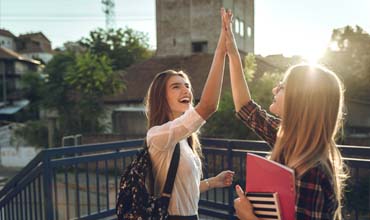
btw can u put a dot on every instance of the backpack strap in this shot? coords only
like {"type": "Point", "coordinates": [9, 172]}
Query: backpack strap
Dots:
{"type": "Point", "coordinates": [172, 170]}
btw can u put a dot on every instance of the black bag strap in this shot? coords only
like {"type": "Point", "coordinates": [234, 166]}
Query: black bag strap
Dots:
{"type": "Point", "coordinates": [172, 170]}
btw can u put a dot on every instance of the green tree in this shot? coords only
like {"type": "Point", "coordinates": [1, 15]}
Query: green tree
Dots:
{"type": "Point", "coordinates": [123, 47]}
{"type": "Point", "coordinates": [91, 78]}
{"type": "Point", "coordinates": [224, 124]}
{"type": "Point", "coordinates": [33, 88]}
{"type": "Point", "coordinates": [349, 56]}
{"type": "Point", "coordinates": [76, 84]}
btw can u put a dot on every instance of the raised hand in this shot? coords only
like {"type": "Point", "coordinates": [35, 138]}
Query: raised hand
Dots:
{"type": "Point", "coordinates": [227, 27]}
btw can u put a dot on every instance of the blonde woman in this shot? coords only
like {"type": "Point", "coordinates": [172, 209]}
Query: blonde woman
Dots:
{"type": "Point", "coordinates": [172, 119]}
{"type": "Point", "coordinates": [308, 103]}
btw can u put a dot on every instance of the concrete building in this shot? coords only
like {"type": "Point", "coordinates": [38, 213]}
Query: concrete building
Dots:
{"type": "Point", "coordinates": [12, 67]}
{"type": "Point", "coordinates": [7, 39]}
{"type": "Point", "coordinates": [35, 46]}
{"type": "Point", "coordinates": [185, 27]}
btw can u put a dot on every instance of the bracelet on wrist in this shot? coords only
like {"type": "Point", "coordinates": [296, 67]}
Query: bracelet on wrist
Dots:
{"type": "Point", "coordinates": [207, 183]}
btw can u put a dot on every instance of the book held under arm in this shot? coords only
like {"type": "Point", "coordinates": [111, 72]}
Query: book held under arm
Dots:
{"type": "Point", "coordinates": [270, 187]}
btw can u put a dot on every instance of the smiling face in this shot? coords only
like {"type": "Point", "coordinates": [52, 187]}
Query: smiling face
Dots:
{"type": "Point", "coordinates": [179, 95]}
{"type": "Point", "coordinates": [277, 105]}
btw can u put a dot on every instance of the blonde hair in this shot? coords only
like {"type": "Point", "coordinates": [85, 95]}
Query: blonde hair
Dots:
{"type": "Point", "coordinates": [312, 115]}
{"type": "Point", "coordinates": [158, 109]}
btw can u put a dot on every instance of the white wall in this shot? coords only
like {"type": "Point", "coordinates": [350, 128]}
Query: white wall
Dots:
{"type": "Point", "coordinates": [17, 156]}
{"type": "Point", "coordinates": [7, 42]}
{"type": "Point", "coordinates": [13, 151]}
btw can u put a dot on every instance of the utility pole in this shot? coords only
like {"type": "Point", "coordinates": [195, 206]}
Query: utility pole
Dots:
{"type": "Point", "coordinates": [108, 9]}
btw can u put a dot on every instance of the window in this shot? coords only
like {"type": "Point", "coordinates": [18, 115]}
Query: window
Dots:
{"type": "Point", "coordinates": [237, 25]}
{"type": "Point", "coordinates": [200, 47]}
{"type": "Point", "coordinates": [249, 32]}
{"type": "Point", "coordinates": [241, 28]}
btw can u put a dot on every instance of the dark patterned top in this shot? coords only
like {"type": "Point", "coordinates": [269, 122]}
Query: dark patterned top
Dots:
{"type": "Point", "coordinates": [315, 197]}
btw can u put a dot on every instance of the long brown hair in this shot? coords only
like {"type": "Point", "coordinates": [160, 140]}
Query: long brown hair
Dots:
{"type": "Point", "coordinates": [158, 109]}
{"type": "Point", "coordinates": [312, 115]}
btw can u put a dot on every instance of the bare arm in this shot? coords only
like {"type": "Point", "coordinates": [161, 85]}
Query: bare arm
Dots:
{"type": "Point", "coordinates": [223, 179]}
{"type": "Point", "coordinates": [239, 87]}
{"type": "Point", "coordinates": [209, 100]}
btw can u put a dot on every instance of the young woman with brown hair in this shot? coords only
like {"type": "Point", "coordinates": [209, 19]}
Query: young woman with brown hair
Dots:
{"type": "Point", "coordinates": [172, 119]}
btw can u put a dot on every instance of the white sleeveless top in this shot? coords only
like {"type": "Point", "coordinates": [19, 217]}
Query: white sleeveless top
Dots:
{"type": "Point", "coordinates": [162, 141]}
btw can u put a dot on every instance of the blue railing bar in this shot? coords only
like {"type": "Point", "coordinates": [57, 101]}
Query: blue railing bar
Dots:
{"type": "Point", "coordinates": [67, 193]}
{"type": "Point", "coordinates": [17, 206]}
{"type": "Point", "coordinates": [357, 163]}
{"type": "Point", "coordinates": [214, 173]}
{"type": "Point", "coordinates": [240, 153]}
{"type": "Point", "coordinates": [262, 146]}
{"type": "Point", "coordinates": [355, 150]}
{"type": "Point", "coordinates": [12, 204]}
{"type": "Point", "coordinates": [230, 167]}
{"type": "Point", "coordinates": [214, 142]}
{"type": "Point", "coordinates": [35, 197]}
{"type": "Point", "coordinates": [55, 194]}
{"type": "Point", "coordinates": [40, 198]}
{"type": "Point", "coordinates": [236, 143]}
{"type": "Point", "coordinates": [14, 191]}
{"type": "Point", "coordinates": [77, 191]}
{"type": "Point", "coordinates": [97, 186]}
{"type": "Point", "coordinates": [94, 147]}
{"type": "Point", "coordinates": [206, 173]}
{"type": "Point", "coordinates": [105, 214]}
{"type": "Point", "coordinates": [25, 202]}
{"type": "Point", "coordinates": [213, 205]}
{"type": "Point", "coordinates": [47, 186]}
{"type": "Point", "coordinates": [116, 179]}
{"type": "Point", "coordinates": [22, 174]}
{"type": "Point", "coordinates": [223, 168]}
{"type": "Point", "coordinates": [107, 184]}
{"type": "Point", "coordinates": [30, 200]}
{"type": "Point", "coordinates": [90, 158]}
{"type": "Point", "coordinates": [212, 213]}
{"type": "Point", "coordinates": [214, 150]}
{"type": "Point", "coordinates": [88, 189]}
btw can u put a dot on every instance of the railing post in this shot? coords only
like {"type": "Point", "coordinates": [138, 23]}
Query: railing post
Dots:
{"type": "Point", "coordinates": [231, 189]}
{"type": "Point", "coordinates": [47, 185]}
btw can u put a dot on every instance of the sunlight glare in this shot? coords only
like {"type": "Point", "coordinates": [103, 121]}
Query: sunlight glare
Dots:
{"type": "Point", "coordinates": [313, 52]}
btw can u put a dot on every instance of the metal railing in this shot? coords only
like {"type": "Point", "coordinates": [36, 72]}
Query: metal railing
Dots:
{"type": "Point", "coordinates": [82, 182]}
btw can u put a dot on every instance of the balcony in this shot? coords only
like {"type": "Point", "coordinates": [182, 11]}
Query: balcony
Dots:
{"type": "Point", "coordinates": [82, 182]}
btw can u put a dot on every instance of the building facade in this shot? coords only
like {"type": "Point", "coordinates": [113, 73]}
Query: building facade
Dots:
{"type": "Point", "coordinates": [7, 40]}
{"type": "Point", "coordinates": [185, 27]}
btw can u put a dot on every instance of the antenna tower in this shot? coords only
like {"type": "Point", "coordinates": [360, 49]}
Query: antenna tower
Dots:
{"type": "Point", "coordinates": [108, 9]}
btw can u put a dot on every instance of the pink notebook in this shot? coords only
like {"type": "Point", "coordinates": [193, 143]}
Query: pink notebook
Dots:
{"type": "Point", "coordinates": [275, 182]}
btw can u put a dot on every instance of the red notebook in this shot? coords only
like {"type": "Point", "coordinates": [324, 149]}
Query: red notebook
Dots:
{"type": "Point", "coordinates": [268, 177]}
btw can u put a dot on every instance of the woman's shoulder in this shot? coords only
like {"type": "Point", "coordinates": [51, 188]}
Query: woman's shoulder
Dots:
{"type": "Point", "coordinates": [318, 176]}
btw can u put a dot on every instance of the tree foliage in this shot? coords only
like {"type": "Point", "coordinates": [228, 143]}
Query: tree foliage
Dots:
{"type": "Point", "coordinates": [79, 76]}
{"type": "Point", "coordinates": [224, 123]}
{"type": "Point", "coordinates": [32, 84]}
{"type": "Point", "coordinates": [123, 47]}
{"type": "Point", "coordinates": [349, 57]}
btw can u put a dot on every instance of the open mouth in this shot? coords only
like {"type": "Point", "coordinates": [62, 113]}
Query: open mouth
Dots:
{"type": "Point", "coordinates": [185, 100]}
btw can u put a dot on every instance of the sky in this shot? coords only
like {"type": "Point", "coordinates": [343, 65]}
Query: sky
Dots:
{"type": "Point", "coordinates": [288, 27]}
